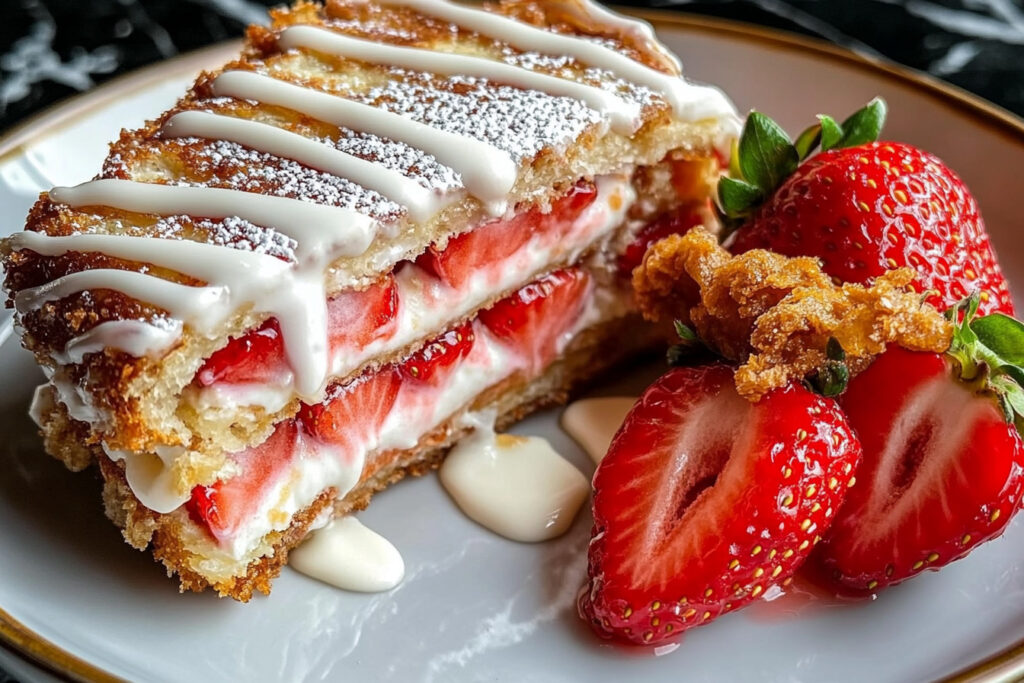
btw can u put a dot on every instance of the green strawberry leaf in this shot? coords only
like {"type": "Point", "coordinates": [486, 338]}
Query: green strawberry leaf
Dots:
{"type": "Point", "coordinates": [864, 125]}
{"type": "Point", "coordinates": [1002, 335]}
{"type": "Point", "coordinates": [767, 155]}
{"type": "Point", "coordinates": [831, 133]}
{"type": "Point", "coordinates": [807, 141]}
{"type": "Point", "coordinates": [684, 332]}
{"type": "Point", "coordinates": [1014, 372]}
{"type": "Point", "coordinates": [990, 354]}
{"type": "Point", "coordinates": [737, 197]}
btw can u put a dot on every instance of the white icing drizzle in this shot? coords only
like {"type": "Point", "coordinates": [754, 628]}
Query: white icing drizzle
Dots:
{"type": "Point", "coordinates": [516, 486]}
{"type": "Point", "coordinates": [321, 231]}
{"type": "Point", "coordinates": [639, 30]}
{"type": "Point", "coordinates": [347, 555]}
{"type": "Point", "coordinates": [152, 477]}
{"type": "Point", "coordinates": [135, 337]}
{"type": "Point", "coordinates": [688, 101]}
{"type": "Point", "coordinates": [623, 114]}
{"type": "Point", "coordinates": [181, 301]}
{"type": "Point", "coordinates": [487, 172]}
{"type": "Point", "coordinates": [295, 296]}
{"type": "Point", "coordinates": [421, 202]}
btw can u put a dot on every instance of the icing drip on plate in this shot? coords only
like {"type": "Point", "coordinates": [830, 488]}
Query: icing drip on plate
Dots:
{"type": "Point", "coordinates": [592, 422]}
{"type": "Point", "coordinates": [516, 486]}
{"type": "Point", "coordinates": [347, 555]}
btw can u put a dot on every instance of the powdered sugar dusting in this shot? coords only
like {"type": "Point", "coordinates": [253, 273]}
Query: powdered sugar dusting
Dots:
{"type": "Point", "coordinates": [518, 122]}
{"type": "Point", "coordinates": [233, 232]}
{"type": "Point", "coordinates": [399, 156]}
{"type": "Point", "coordinates": [230, 165]}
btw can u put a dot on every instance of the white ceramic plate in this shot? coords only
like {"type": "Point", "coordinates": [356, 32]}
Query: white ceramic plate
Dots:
{"type": "Point", "coordinates": [474, 606]}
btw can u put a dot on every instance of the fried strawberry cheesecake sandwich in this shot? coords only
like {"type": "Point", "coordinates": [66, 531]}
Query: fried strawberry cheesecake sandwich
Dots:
{"type": "Point", "coordinates": [297, 285]}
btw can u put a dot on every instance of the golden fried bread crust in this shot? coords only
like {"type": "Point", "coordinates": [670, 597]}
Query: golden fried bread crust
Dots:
{"type": "Point", "coordinates": [775, 314]}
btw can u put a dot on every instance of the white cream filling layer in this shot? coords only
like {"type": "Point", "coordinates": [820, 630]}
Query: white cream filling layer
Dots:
{"type": "Point", "coordinates": [426, 304]}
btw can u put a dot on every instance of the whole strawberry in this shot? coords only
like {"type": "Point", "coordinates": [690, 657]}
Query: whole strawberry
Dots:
{"type": "Point", "coordinates": [861, 207]}
{"type": "Point", "coordinates": [943, 467]}
{"type": "Point", "coordinates": [705, 501]}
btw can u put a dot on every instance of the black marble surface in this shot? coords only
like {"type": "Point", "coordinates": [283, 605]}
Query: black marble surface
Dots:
{"type": "Point", "coordinates": [52, 49]}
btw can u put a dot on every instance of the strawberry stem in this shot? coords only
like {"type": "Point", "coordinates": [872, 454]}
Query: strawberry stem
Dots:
{"type": "Point", "coordinates": [832, 377]}
{"type": "Point", "coordinates": [764, 156]}
{"type": "Point", "coordinates": [988, 354]}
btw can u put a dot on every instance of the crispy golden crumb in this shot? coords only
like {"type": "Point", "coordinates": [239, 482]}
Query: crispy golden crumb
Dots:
{"type": "Point", "coordinates": [775, 314]}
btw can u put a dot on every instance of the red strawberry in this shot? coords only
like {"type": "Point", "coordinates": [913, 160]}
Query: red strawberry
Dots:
{"type": "Point", "coordinates": [352, 412]}
{"type": "Point", "coordinates": [225, 506]}
{"type": "Point", "coordinates": [943, 463]}
{"type": "Point", "coordinates": [256, 357]}
{"type": "Point", "coordinates": [354, 318]}
{"type": "Point", "coordinates": [669, 224]}
{"type": "Point", "coordinates": [466, 253]}
{"type": "Point", "coordinates": [434, 361]}
{"type": "Point", "coordinates": [533, 318]}
{"type": "Point", "coordinates": [705, 501]}
{"type": "Point", "coordinates": [863, 208]}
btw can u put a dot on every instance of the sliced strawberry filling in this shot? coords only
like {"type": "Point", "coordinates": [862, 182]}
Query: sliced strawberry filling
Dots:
{"type": "Point", "coordinates": [491, 242]}
{"type": "Point", "coordinates": [354, 318]}
{"type": "Point", "coordinates": [358, 318]}
{"type": "Point", "coordinates": [529, 326]}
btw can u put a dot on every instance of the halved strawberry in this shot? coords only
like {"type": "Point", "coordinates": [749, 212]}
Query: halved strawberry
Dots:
{"type": "Point", "coordinates": [354, 318]}
{"type": "Point", "coordinates": [533, 318]}
{"type": "Point", "coordinates": [225, 506]}
{"type": "Point", "coordinates": [434, 361]}
{"type": "Point", "coordinates": [677, 223]}
{"type": "Point", "coordinates": [705, 501]}
{"type": "Point", "coordinates": [488, 243]}
{"type": "Point", "coordinates": [354, 411]}
{"type": "Point", "coordinates": [943, 463]}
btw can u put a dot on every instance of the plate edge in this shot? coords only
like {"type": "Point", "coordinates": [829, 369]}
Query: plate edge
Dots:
{"type": "Point", "coordinates": [1006, 665]}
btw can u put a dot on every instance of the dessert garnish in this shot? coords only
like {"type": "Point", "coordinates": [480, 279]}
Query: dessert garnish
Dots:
{"type": "Point", "coordinates": [775, 315]}
{"type": "Point", "coordinates": [705, 500]}
{"type": "Point", "coordinates": [861, 207]}
{"type": "Point", "coordinates": [943, 467]}
{"type": "Point", "coordinates": [886, 431]}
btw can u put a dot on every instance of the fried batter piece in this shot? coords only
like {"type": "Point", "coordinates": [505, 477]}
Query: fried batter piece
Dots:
{"type": "Point", "coordinates": [775, 314]}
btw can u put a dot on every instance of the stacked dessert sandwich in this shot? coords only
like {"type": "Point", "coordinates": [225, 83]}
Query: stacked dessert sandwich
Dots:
{"type": "Point", "coordinates": [292, 288]}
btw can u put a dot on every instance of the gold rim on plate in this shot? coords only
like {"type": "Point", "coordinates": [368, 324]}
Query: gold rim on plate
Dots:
{"type": "Point", "coordinates": [1003, 667]}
